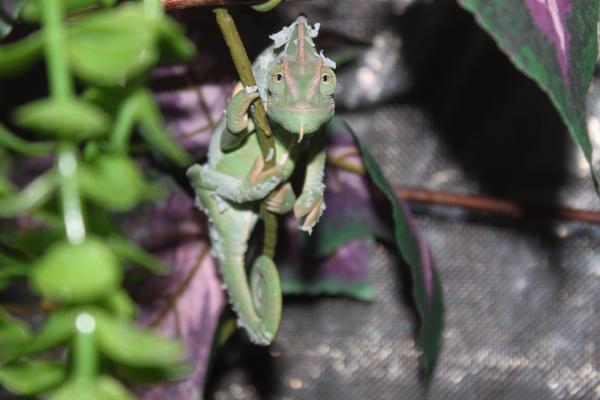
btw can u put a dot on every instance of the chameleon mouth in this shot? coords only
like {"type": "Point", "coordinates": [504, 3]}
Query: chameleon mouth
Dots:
{"type": "Point", "coordinates": [300, 107]}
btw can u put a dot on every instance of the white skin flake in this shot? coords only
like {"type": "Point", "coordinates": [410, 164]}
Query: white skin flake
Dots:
{"type": "Point", "coordinates": [283, 36]}
{"type": "Point", "coordinates": [271, 154]}
{"type": "Point", "coordinates": [327, 61]}
{"type": "Point", "coordinates": [314, 30]}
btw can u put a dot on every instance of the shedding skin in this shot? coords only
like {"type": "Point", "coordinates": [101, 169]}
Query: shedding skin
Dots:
{"type": "Point", "coordinates": [233, 184]}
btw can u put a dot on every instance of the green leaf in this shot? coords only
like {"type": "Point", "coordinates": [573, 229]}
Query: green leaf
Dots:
{"type": "Point", "coordinates": [101, 388]}
{"type": "Point", "coordinates": [11, 141]}
{"type": "Point", "coordinates": [9, 10]}
{"type": "Point", "coordinates": [174, 45]}
{"type": "Point", "coordinates": [32, 377]}
{"type": "Point", "coordinates": [120, 304]}
{"type": "Point", "coordinates": [34, 195]}
{"type": "Point", "coordinates": [126, 344]}
{"type": "Point", "coordinates": [31, 10]}
{"type": "Point", "coordinates": [77, 273]}
{"type": "Point", "coordinates": [427, 290]}
{"type": "Point", "coordinates": [555, 44]}
{"type": "Point", "coordinates": [69, 119]}
{"type": "Point", "coordinates": [10, 269]}
{"type": "Point", "coordinates": [113, 181]}
{"type": "Point", "coordinates": [131, 252]}
{"type": "Point", "coordinates": [19, 56]}
{"type": "Point", "coordinates": [112, 47]}
{"type": "Point", "coordinates": [12, 331]}
{"type": "Point", "coordinates": [58, 328]}
{"type": "Point", "coordinates": [154, 131]}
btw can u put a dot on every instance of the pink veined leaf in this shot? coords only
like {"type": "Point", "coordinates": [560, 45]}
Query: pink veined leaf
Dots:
{"type": "Point", "coordinates": [550, 17]}
{"type": "Point", "coordinates": [555, 42]}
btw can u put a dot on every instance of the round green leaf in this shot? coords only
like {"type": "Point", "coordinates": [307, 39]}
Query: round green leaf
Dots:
{"type": "Point", "coordinates": [63, 118]}
{"type": "Point", "coordinates": [111, 47]}
{"type": "Point", "coordinates": [126, 344]}
{"type": "Point", "coordinates": [32, 377]}
{"type": "Point", "coordinates": [102, 388]}
{"type": "Point", "coordinates": [77, 273]}
{"type": "Point", "coordinates": [113, 181]}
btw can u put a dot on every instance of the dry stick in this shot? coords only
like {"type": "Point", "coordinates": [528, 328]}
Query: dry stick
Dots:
{"type": "Point", "coordinates": [476, 203]}
{"type": "Point", "coordinates": [496, 206]}
{"type": "Point", "coordinates": [257, 111]}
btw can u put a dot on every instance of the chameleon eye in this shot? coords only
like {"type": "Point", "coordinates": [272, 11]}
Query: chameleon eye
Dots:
{"type": "Point", "coordinates": [326, 78]}
{"type": "Point", "coordinates": [278, 77]}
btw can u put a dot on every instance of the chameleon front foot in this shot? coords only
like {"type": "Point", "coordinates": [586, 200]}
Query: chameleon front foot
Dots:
{"type": "Point", "coordinates": [237, 109]}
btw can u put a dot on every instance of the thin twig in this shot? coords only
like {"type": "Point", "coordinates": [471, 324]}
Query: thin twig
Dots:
{"type": "Point", "coordinates": [476, 203]}
{"type": "Point", "coordinates": [171, 299]}
{"type": "Point", "coordinates": [496, 206]}
{"type": "Point", "coordinates": [244, 70]}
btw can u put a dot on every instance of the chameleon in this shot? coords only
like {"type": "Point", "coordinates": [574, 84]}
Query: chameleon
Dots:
{"type": "Point", "coordinates": [296, 83]}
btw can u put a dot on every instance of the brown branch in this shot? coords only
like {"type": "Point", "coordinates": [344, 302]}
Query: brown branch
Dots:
{"type": "Point", "coordinates": [483, 204]}
{"type": "Point", "coordinates": [495, 206]}
{"type": "Point", "coordinates": [175, 4]}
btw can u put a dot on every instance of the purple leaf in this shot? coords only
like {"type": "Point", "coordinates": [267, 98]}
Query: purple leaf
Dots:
{"type": "Point", "coordinates": [343, 272]}
{"type": "Point", "coordinates": [555, 42]}
{"type": "Point", "coordinates": [192, 111]}
{"type": "Point", "coordinates": [550, 17]}
{"type": "Point", "coordinates": [187, 302]}
{"type": "Point", "coordinates": [427, 289]}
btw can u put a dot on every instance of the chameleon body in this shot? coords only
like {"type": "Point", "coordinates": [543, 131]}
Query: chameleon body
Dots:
{"type": "Point", "coordinates": [233, 188]}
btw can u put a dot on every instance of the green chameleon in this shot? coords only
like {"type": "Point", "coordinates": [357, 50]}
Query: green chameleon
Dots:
{"type": "Point", "coordinates": [297, 84]}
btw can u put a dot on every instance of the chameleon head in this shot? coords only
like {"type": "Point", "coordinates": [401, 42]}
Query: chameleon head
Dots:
{"type": "Point", "coordinates": [301, 85]}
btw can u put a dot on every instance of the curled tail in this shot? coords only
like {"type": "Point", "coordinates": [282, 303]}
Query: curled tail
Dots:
{"type": "Point", "coordinates": [258, 302]}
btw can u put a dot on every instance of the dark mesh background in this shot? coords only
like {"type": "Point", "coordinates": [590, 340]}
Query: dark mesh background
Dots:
{"type": "Point", "coordinates": [443, 109]}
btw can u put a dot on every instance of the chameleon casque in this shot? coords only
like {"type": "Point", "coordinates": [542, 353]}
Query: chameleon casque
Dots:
{"type": "Point", "coordinates": [296, 84]}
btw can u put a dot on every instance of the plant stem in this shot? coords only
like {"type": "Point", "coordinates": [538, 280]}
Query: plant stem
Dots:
{"type": "Point", "coordinates": [85, 357]}
{"type": "Point", "coordinates": [270, 242]}
{"type": "Point", "coordinates": [61, 85]}
{"type": "Point", "coordinates": [244, 69]}
{"type": "Point", "coordinates": [257, 111]}
{"type": "Point", "coordinates": [69, 190]}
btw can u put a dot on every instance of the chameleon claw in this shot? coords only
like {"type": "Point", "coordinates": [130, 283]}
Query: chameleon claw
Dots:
{"type": "Point", "coordinates": [237, 110]}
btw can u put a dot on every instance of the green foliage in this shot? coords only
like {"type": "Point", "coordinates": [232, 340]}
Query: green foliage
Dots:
{"type": "Point", "coordinates": [20, 56]}
{"type": "Point", "coordinates": [66, 119]}
{"type": "Point", "coordinates": [76, 273]}
{"type": "Point", "coordinates": [28, 378]}
{"type": "Point", "coordinates": [74, 258]}
{"type": "Point", "coordinates": [114, 182]}
{"type": "Point", "coordinates": [100, 388]}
